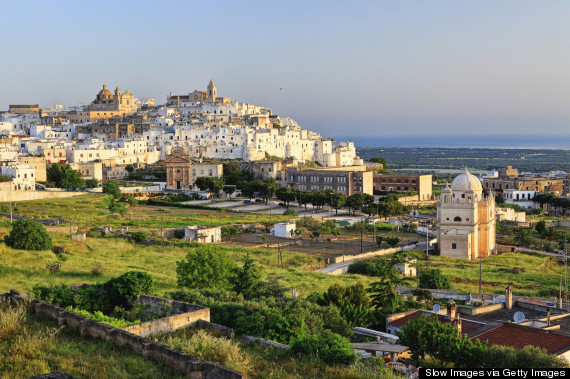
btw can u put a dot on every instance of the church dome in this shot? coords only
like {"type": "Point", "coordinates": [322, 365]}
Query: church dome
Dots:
{"type": "Point", "coordinates": [466, 182]}
{"type": "Point", "coordinates": [105, 93]}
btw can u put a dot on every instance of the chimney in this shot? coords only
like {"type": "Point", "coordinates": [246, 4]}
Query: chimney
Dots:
{"type": "Point", "coordinates": [451, 309]}
{"type": "Point", "coordinates": [508, 297]}
{"type": "Point", "coordinates": [458, 325]}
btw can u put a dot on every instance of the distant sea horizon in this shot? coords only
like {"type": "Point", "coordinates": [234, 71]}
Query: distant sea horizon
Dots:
{"type": "Point", "coordinates": [551, 142]}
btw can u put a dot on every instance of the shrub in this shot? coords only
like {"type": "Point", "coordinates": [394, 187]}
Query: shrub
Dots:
{"type": "Point", "coordinates": [29, 235]}
{"type": "Point", "coordinates": [204, 267]}
{"type": "Point", "coordinates": [97, 269]}
{"type": "Point", "coordinates": [112, 189]}
{"type": "Point", "coordinates": [290, 212]}
{"type": "Point", "coordinates": [179, 234]}
{"type": "Point", "coordinates": [91, 183]}
{"type": "Point", "coordinates": [53, 267]}
{"type": "Point", "coordinates": [100, 317]}
{"type": "Point", "coordinates": [433, 279]}
{"type": "Point", "coordinates": [139, 237]}
{"type": "Point", "coordinates": [124, 289]}
{"type": "Point", "coordinates": [329, 347]}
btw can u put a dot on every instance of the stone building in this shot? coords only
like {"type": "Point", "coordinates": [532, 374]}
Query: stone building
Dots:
{"type": "Point", "coordinates": [203, 234]}
{"type": "Point", "coordinates": [106, 105]}
{"type": "Point", "coordinates": [38, 164]}
{"type": "Point", "coordinates": [466, 220]}
{"type": "Point", "coordinates": [508, 172]}
{"type": "Point", "coordinates": [345, 180]}
{"type": "Point", "coordinates": [422, 184]}
{"type": "Point", "coordinates": [178, 166]}
{"type": "Point", "coordinates": [497, 186]}
{"type": "Point", "coordinates": [23, 109]}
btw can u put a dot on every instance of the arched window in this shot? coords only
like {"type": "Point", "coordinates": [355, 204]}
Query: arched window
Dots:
{"type": "Point", "coordinates": [457, 218]}
{"type": "Point", "coordinates": [446, 199]}
{"type": "Point", "coordinates": [463, 196]}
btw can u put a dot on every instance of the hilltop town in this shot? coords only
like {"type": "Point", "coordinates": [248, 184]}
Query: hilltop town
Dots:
{"type": "Point", "coordinates": [210, 238]}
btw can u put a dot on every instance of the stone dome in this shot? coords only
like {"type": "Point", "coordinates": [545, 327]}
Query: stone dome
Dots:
{"type": "Point", "coordinates": [105, 93]}
{"type": "Point", "coordinates": [466, 182]}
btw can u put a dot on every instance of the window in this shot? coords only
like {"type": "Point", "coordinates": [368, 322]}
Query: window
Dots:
{"type": "Point", "coordinates": [457, 218]}
{"type": "Point", "coordinates": [454, 246]}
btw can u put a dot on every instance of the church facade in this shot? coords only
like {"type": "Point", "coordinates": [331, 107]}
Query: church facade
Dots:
{"type": "Point", "coordinates": [466, 220]}
{"type": "Point", "coordinates": [107, 105]}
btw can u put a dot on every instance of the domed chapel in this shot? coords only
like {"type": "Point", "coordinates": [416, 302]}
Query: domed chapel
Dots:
{"type": "Point", "coordinates": [466, 220]}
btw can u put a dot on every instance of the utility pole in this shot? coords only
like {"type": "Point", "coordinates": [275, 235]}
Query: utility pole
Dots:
{"type": "Point", "coordinates": [361, 227]}
{"type": "Point", "coordinates": [480, 274]}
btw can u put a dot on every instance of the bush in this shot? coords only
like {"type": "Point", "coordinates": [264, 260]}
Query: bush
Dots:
{"type": "Point", "coordinates": [433, 279]}
{"type": "Point", "coordinates": [97, 269]}
{"type": "Point", "coordinates": [112, 189]}
{"type": "Point", "coordinates": [124, 289]}
{"type": "Point", "coordinates": [328, 347]}
{"type": "Point", "coordinates": [28, 234]}
{"type": "Point", "coordinates": [204, 267]}
{"type": "Point", "coordinates": [100, 317]}
{"type": "Point", "coordinates": [179, 234]}
{"type": "Point", "coordinates": [91, 183]}
{"type": "Point", "coordinates": [290, 212]}
{"type": "Point", "coordinates": [139, 237]}
{"type": "Point", "coordinates": [53, 267]}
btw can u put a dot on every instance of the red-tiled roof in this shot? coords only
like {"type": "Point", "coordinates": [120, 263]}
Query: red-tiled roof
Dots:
{"type": "Point", "coordinates": [466, 325]}
{"type": "Point", "coordinates": [520, 336]}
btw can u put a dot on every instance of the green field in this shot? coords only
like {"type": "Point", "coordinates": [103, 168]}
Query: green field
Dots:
{"type": "Point", "coordinates": [117, 255]}
{"type": "Point", "coordinates": [528, 274]}
{"type": "Point", "coordinates": [88, 209]}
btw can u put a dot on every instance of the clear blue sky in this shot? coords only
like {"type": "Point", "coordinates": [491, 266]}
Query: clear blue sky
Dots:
{"type": "Point", "coordinates": [349, 68]}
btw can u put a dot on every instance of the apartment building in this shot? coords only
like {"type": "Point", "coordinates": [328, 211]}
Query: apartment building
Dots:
{"type": "Point", "coordinates": [422, 184]}
{"type": "Point", "coordinates": [346, 180]}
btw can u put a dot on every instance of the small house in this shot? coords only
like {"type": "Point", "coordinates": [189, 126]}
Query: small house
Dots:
{"type": "Point", "coordinates": [203, 234]}
{"type": "Point", "coordinates": [284, 230]}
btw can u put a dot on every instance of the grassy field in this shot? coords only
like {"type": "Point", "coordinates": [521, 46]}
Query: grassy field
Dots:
{"type": "Point", "coordinates": [529, 274]}
{"type": "Point", "coordinates": [117, 255]}
{"type": "Point", "coordinates": [88, 209]}
{"type": "Point", "coordinates": [32, 346]}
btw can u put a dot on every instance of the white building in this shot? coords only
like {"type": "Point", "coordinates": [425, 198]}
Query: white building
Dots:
{"type": "Point", "coordinates": [466, 220]}
{"type": "Point", "coordinates": [283, 230]}
{"type": "Point", "coordinates": [203, 234]}
{"type": "Point", "coordinates": [523, 198]}
{"type": "Point", "coordinates": [23, 176]}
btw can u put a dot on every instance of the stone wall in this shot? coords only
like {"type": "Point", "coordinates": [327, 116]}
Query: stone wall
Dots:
{"type": "Point", "coordinates": [35, 195]}
{"type": "Point", "coordinates": [187, 314]}
{"type": "Point", "coordinates": [191, 366]}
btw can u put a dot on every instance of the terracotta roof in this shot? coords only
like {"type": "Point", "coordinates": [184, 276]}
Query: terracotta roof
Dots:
{"type": "Point", "coordinates": [467, 326]}
{"type": "Point", "coordinates": [518, 336]}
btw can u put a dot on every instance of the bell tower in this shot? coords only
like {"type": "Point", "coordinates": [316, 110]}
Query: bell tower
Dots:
{"type": "Point", "coordinates": [212, 92]}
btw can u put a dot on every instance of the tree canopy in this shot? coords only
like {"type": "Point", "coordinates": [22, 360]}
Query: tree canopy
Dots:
{"type": "Point", "coordinates": [29, 235]}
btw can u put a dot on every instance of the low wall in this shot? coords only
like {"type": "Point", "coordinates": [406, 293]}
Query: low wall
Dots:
{"type": "Point", "coordinates": [190, 314]}
{"type": "Point", "coordinates": [480, 310]}
{"type": "Point", "coordinates": [35, 195]}
{"type": "Point", "coordinates": [191, 366]}
{"type": "Point", "coordinates": [370, 254]}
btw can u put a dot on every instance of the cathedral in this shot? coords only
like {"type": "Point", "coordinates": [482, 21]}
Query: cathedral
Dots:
{"type": "Point", "coordinates": [107, 105]}
{"type": "Point", "coordinates": [466, 220]}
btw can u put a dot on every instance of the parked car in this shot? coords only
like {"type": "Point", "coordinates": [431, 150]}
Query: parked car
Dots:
{"type": "Point", "coordinates": [247, 201]}
{"type": "Point", "coordinates": [259, 200]}
{"type": "Point", "coordinates": [282, 204]}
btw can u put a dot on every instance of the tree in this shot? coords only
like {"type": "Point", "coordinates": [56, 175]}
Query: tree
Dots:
{"type": "Point", "coordinates": [392, 241]}
{"type": "Point", "coordinates": [303, 198]}
{"type": "Point", "coordinates": [204, 267]}
{"type": "Point", "coordinates": [540, 227]}
{"type": "Point", "coordinates": [355, 202]}
{"type": "Point", "coordinates": [433, 279]}
{"type": "Point", "coordinates": [336, 201]}
{"type": "Point", "coordinates": [129, 168]}
{"type": "Point", "coordinates": [286, 195]}
{"type": "Point", "coordinates": [229, 190]}
{"type": "Point", "coordinates": [125, 288]}
{"type": "Point", "coordinates": [248, 279]}
{"type": "Point", "coordinates": [91, 183]}
{"type": "Point", "coordinates": [213, 185]}
{"type": "Point", "coordinates": [28, 234]}
{"type": "Point", "coordinates": [369, 209]}
{"type": "Point", "coordinates": [63, 176]}
{"type": "Point", "coordinates": [318, 198]}
{"type": "Point", "coordinates": [112, 188]}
